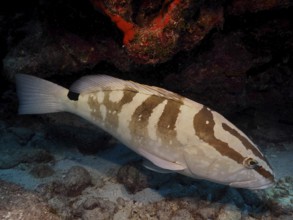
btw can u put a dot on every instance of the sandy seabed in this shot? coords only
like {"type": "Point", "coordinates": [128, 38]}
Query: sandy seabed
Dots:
{"type": "Point", "coordinates": [64, 168]}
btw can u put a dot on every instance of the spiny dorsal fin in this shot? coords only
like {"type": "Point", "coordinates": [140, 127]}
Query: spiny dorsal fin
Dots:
{"type": "Point", "coordinates": [93, 83]}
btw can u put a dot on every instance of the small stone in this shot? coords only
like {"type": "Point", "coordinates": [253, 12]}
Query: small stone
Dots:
{"type": "Point", "coordinates": [165, 209]}
{"type": "Point", "coordinates": [120, 201]}
{"type": "Point", "coordinates": [23, 135]}
{"type": "Point", "coordinates": [163, 215]}
{"type": "Point", "coordinates": [96, 214]}
{"type": "Point", "coordinates": [12, 157]}
{"type": "Point", "coordinates": [132, 178]}
{"type": "Point", "coordinates": [61, 206]}
{"type": "Point", "coordinates": [182, 214]}
{"type": "Point", "coordinates": [41, 171]}
{"type": "Point", "coordinates": [229, 212]}
{"type": "Point", "coordinates": [76, 180]}
{"type": "Point", "coordinates": [100, 209]}
{"type": "Point", "coordinates": [90, 203]}
{"type": "Point", "coordinates": [208, 212]}
{"type": "Point", "coordinates": [36, 155]}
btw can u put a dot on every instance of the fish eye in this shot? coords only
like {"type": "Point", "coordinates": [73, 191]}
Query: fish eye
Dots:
{"type": "Point", "coordinates": [250, 163]}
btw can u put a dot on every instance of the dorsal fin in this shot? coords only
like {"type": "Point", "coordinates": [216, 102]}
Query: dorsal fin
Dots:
{"type": "Point", "coordinates": [93, 83]}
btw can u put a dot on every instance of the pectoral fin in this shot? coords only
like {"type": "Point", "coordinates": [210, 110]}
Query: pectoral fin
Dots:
{"type": "Point", "coordinates": [162, 163]}
{"type": "Point", "coordinates": [150, 166]}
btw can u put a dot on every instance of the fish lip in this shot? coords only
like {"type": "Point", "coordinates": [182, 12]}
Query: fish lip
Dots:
{"type": "Point", "coordinates": [264, 186]}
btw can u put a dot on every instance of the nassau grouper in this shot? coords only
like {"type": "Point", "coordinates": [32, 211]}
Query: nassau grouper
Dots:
{"type": "Point", "coordinates": [173, 133]}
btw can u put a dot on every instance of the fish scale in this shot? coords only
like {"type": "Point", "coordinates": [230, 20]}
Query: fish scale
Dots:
{"type": "Point", "coordinates": [174, 133]}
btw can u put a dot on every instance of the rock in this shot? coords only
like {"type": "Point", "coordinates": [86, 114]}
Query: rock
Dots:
{"type": "Point", "coordinates": [238, 7]}
{"type": "Point", "coordinates": [16, 147]}
{"type": "Point", "coordinates": [143, 212]}
{"type": "Point", "coordinates": [135, 177]}
{"type": "Point", "coordinates": [37, 155]}
{"type": "Point", "coordinates": [23, 135]}
{"type": "Point", "coordinates": [208, 212]}
{"type": "Point", "coordinates": [216, 77]}
{"type": "Point", "coordinates": [280, 198]}
{"type": "Point", "coordinates": [229, 212]}
{"type": "Point", "coordinates": [44, 52]}
{"type": "Point", "coordinates": [132, 178]}
{"type": "Point", "coordinates": [18, 203]}
{"type": "Point", "coordinates": [156, 39]}
{"type": "Point", "coordinates": [11, 157]}
{"type": "Point", "coordinates": [182, 214]}
{"type": "Point", "coordinates": [52, 189]}
{"type": "Point", "coordinates": [98, 208]}
{"type": "Point", "coordinates": [41, 171]}
{"type": "Point", "coordinates": [62, 206]}
{"type": "Point", "coordinates": [121, 202]}
{"type": "Point", "coordinates": [165, 209]}
{"type": "Point", "coordinates": [90, 203]}
{"type": "Point", "coordinates": [76, 180]}
{"type": "Point", "coordinates": [96, 214]}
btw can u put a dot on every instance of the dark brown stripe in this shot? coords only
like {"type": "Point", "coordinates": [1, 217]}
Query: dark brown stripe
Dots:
{"type": "Point", "coordinates": [95, 108]}
{"type": "Point", "coordinates": [264, 173]}
{"type": "Point", "coordinates": [166, 125]}
{"type": "Point", "coordinates": [141, 115]}
{"type": "Point", "coordinates": [243, 140]}
{"type": "Point", "coordinates": [112, 108]}
{"type": "Point", "coordinates": [205, 131]}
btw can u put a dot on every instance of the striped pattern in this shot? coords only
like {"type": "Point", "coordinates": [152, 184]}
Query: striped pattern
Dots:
{"type": "Point", "coordinates": [204, 129]}
{"type": "Point", "coordinates": [203, 123]}
{"type": "Point", "coordinates": [106, 109]}
{"type": "Point", "coordinates": [172, 131]}
{"type": "Point", "coordinates": [164, 123]}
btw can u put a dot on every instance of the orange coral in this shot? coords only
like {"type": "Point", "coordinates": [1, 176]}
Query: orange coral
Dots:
{"type": "Point", "coordinates": [125, 26]}
{"type": "Point", "coordinates": [162, 34]}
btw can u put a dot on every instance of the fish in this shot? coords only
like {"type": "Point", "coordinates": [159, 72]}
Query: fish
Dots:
{"type": "Point", "coordinates": [173, 133]}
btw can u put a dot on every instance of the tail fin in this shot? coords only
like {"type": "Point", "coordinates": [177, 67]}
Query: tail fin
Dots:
{"type": "Point", "coordinates": [38, 96]}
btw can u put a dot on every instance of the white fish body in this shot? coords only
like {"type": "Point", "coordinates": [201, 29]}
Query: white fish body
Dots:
{"type": "Point", "coordinates": [173, 132]}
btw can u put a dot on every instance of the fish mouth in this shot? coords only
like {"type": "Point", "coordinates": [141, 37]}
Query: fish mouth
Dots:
{"type": "Point", "coordinates": [252, 184]}
{"type": "Point", "coordinates": [264, 186]}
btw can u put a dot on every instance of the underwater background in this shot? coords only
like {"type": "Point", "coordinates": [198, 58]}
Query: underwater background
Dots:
{"type": "Point", "coordinates": [233, 56]}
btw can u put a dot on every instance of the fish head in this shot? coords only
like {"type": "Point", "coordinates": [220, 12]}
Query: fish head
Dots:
{"type": "Point", "coordinates": [252, 174]}
{"type": "Point", "coordinates": [243, 170]}
{"type": "Point", "coordinates": [248, 171]}
{"type": "Point", "coordinates": [222, 153]}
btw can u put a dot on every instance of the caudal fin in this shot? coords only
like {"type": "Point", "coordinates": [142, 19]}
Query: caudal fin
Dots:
{"type": "Point", "coordinates": [39, 96]}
